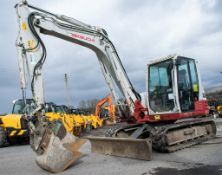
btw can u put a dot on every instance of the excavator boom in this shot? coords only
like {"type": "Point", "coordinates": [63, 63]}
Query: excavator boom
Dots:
{"type": "Point", "coordinates": [57, 149]}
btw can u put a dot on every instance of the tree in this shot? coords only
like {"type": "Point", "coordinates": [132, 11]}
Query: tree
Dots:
{"type": "Point", "coordinates": [82, 104]}
{"type": "Point", "coordinates": [88, 105]}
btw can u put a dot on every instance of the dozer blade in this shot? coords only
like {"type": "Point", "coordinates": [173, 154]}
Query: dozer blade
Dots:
{"type": "Point", "coordinates": [56, 148]}
{"type": "Point", "coordinates": [122, 147]}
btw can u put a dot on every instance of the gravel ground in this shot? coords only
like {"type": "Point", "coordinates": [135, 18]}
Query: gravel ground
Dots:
{"type": "Point", "coordinates": [201, 159]}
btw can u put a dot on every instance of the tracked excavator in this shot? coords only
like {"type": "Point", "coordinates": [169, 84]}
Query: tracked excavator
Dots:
{"type": "Point", "coordinates": [167, 117]}
{"type": "Point", "coordinates": [110, 108]}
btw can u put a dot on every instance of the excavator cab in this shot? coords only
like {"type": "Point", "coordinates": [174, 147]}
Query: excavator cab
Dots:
{"type": "Point", "coordinates": [174, 87]}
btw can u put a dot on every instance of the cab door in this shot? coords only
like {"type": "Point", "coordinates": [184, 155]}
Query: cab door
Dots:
{"type": "Point", "coordinates": [187, 83]}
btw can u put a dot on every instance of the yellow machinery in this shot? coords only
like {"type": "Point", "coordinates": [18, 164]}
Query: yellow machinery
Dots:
{"type": "Point", "coordinates": [53, 114]}
{"type": "Point", "coordinates": [74, 124]}
{"type": "Point", "coordinates": [88, 118]}
{"type": "Point", "coordinates": [75, 120]}
{"type": "Point", "coordinates": [13, 126]}
{"type": "Point", "coordinates": [67, 119]}
{"type": "Point", "coordinates": [78, 121]}
{"type": "Point", "coordinates": [215, 107]}
{"type": "Point", "coordinates": [96, 121]}
{"type": "Point", "coordinates": [82, 121]}
{"type": "Point", "coordinates": [219, 110]}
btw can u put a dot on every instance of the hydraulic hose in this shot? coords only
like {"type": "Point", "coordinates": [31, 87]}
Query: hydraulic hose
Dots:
{"type": "Point", "coordinates": [39, 41]}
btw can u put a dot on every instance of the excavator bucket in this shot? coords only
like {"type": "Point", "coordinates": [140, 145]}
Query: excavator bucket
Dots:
{"type": "Point", "coordinates": [122, 147]}
{"type": "Point", "coordinates": [56, 148]}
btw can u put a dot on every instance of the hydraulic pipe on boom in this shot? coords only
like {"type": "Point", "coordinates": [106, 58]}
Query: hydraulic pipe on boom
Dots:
{"type": "Point", "coordinates": [49, 140]}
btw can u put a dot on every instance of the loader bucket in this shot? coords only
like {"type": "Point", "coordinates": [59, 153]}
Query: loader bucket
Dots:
{"type": "Point", "coordinates": [122, 147]}
{"type": "Point", "coordinates": [56, 148]}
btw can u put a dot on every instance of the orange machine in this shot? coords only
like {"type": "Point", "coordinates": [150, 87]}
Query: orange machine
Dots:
{"type": "Point", "coordinates": [110, 108]}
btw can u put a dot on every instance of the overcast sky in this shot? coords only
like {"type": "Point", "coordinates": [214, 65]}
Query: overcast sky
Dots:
{"type": "Point", "coordinates": [141, 31]}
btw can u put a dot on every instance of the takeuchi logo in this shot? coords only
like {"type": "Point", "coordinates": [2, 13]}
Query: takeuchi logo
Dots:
{"type": "Point", "coordinates": [83, 37]}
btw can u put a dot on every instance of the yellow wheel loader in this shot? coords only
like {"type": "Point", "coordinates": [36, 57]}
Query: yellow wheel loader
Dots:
{"type": "Point", "coordinates": [215, 107]}
{"type": "Point", "coordinates": [55, 112]}
{"type": "Point", "coordinates": [95, 120]}
{"type": "Point", "coordinates": [81, 121]}
{"type": "Point", "coordinates": [12, 126]}
{"type": "Point", "coordinates": [78, 121]}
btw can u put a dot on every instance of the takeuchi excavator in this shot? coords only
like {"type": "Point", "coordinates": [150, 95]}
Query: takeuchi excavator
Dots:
{"type": "Point", "coordinates": [168, 116]}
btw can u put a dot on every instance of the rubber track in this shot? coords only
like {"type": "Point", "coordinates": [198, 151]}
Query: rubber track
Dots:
{"type": "Point", "coordinates": [159, 136]}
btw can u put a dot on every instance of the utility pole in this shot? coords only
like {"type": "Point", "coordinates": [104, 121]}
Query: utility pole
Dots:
{"type": "Point", "coordinates": [69, 102]}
